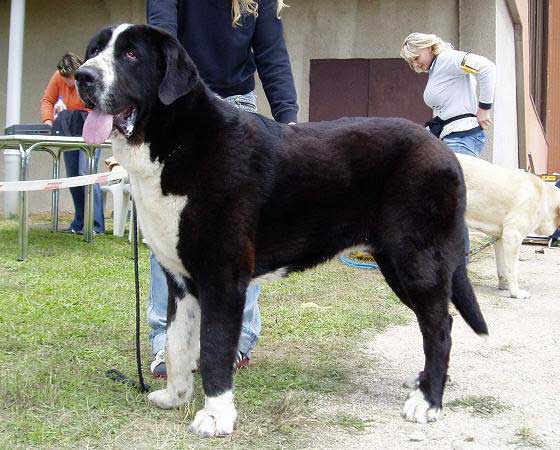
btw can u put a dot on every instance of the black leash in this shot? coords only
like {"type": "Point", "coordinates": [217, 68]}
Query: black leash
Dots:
{"type": "Point", "coordinates": [114, 374]}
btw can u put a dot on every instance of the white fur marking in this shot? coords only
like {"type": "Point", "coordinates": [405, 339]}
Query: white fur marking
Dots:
{"type": "Point", "coordinates": [278, 274]}
{"type": "Point", "coordinates": [181, 351]}
{"type": "Point", "coordinates": [158, 214]}
{"type": "Point", "coordinates": [412, 381]}
{"type": "Point", "coordinates": [417, 409]}
{"type": "Point", "coordinates": [217, 418]}
{"type": "Point", "coordinates": [105, 63]}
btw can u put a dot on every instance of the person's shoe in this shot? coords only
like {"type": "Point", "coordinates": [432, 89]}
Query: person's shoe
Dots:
{"type": "Point", "coordinates": [157, 368]}
{"type": "Point", "coordinates": [72, 231]}
{"type": "Point", "coordinates": [554, 243]}
{"type": "Point", "coordinates": [242, 360]}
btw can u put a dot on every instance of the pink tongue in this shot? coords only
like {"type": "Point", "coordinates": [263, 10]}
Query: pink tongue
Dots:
{"type": "Point", "coordinates": [97, 127]}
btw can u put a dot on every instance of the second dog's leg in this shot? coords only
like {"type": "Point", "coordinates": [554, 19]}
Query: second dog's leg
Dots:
{"type": "Point", "coordinates": [500, 265]}
{"type": "Point", "coordinates": [181, 348]}
{"type": "Point", "coordinates": [511, 244]}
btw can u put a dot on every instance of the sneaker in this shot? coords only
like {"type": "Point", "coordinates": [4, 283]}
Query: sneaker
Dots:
{"type": "Point", "coordinates": [72, 231]}
{"type": "Point", "coordinates": [157, 368]}
{"type": "Point", "coordinates": [242, 360]}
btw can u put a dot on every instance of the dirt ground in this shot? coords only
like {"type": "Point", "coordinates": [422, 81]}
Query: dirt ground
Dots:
{"type": "Point", "coordinates": [504, 390]}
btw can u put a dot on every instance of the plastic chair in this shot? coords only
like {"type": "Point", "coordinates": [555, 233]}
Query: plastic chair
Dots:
{"type": "Point", "coordinates": [121, 204]}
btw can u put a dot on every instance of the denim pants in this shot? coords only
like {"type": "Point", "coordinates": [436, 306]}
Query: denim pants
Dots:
{"type": "Point", "coordinates": [471, 145]}
{"type": "Point", "coordinates": [76, 165]}
{"type": "Point", "coordinates": [158, 296]}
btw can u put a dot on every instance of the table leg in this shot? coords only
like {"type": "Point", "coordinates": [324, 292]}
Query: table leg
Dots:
{"type": "Point", "coordinates": [88, 208]}
{"type": "Point", "coordinates": [55, 194]}
{"type": "Point", "coordinates": [23, 229]}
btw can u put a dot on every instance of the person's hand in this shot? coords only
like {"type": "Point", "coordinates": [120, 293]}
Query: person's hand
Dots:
{"type": "Point", "coordinates": [483, 117]}
{"type": "Point", "coordinates": [48, 122]}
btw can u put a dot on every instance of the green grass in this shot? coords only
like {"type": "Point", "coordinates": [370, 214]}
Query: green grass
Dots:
{"type": "Point", "coordinates": [67, 315]}
{"type": "Point", "coordinates": [526, 437]}
{"type": "Point", "coordinates": [481, 406]}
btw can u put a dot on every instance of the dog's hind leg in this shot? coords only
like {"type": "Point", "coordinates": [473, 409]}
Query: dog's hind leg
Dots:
{"type": "Point", "coordinates": [182, 344]}
{"type": "Point", "coordinates": [429, 301]}
{"type": "Point", "coordinates": [221, 313]}
{"type": "Point", "coordinates": [425, 402]}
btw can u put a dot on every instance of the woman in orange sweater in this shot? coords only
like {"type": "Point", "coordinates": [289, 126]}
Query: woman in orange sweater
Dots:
{"type": "Point", "coordinates": [62, 86]}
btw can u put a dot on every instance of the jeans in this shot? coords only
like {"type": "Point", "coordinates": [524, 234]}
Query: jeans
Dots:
{"type": "Point", "coordinates": [76, 164]}
{"type": "Point", "coordinates": [471, 145]}
{"type": "Point", "coordinates": [158, 294]}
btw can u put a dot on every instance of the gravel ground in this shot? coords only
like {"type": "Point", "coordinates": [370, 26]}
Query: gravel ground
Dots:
{"type": "Point", "coordinates": [504, 390]}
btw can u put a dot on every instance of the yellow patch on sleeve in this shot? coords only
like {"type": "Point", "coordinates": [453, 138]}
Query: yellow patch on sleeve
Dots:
{"type": "Point", "coordinates": [468, 68]}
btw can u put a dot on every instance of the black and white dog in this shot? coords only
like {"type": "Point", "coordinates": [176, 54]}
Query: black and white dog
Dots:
{"type": "Point", "coordinates": [226, 197]}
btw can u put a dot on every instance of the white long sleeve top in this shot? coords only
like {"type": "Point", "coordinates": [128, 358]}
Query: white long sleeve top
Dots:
{"type": "Point", "coordinates": [451, 88]}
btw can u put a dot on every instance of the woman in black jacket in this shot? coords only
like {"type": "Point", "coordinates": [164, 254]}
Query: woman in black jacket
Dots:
{"type": "Point", "coordinates": [228, 41]}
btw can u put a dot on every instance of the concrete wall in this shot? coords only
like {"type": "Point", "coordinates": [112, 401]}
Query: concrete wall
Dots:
{"type": "Point", "coordinates": [535, 140]}
{"type": "Point", "coordinates": [313, 29]}
{"type": "Point", "coordinates": [477, 34]}
{"type": "Point", "coordinates": [53, 28]}
{"type": "Point", "coordinates": [505, 112]}
{"type": "Point", "coordinates": [357, 29]}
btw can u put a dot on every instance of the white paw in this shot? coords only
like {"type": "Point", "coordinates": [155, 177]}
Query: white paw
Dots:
{"type": "Point", "coordinates": [412, 381]}
{"type": "Point", "coordinates": [217, 418]}
{"type": "Point", "coordinates": [417, 409]}
{"type": "Point", "coordinates": [166, 399]}
{"type": "Point", "coordinates": [519, 294]}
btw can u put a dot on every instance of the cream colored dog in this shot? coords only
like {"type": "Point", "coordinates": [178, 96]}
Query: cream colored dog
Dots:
{"type": "Point", "coordinates": [508, 204]}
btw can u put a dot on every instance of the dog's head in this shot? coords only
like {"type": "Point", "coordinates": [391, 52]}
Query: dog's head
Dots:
{"type": "Point", "coordinates": [128, 70]}
{"type": "Point", "coordinates": [550, 218]}
{"type": "Point", "coordinates": [555, 201]}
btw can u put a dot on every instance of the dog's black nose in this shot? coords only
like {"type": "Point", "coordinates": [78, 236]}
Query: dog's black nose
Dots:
{"type": "Point", "coordinates": [86, 76]}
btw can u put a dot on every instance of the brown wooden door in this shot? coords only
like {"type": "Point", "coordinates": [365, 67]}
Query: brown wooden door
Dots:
{"type": "Point", "coordinates": [366, 87]}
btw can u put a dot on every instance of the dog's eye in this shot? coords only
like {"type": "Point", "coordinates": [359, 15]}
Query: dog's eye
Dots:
{"type": "Point", "coordinates": [94, 51]}
{"type": "Point", "coordinates": [130, 55]}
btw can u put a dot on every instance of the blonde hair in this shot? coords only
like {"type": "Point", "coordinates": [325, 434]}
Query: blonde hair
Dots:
{"type": "Point", "coordinates": [240, 7]}
{"type": "Point", "coordinates": [415, 42]}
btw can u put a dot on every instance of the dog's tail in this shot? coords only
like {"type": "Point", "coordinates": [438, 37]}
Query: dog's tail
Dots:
{"type": "Point", "coordinates": [464, 299]}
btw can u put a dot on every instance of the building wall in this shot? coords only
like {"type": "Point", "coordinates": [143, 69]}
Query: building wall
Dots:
{"type": "Point", "coordinates": [51, 29]}
{"type": "Point", "coordinates": [356, 29]}
{"type": "Point", "coordinates": [535, 141]}
{"type": "Point", "coordinates": [505, 145]}
{"type": "Point", "coordinates": [313, 29]}
{"type": "Point", "coordinates": [553, 83]}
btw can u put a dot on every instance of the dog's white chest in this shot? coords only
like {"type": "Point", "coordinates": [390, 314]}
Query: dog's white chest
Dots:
{"type": "Point", "coordinates": [158, 214]}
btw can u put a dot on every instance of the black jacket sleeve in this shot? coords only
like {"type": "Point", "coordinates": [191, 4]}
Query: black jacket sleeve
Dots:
{"type": "Point", "coordinates": [163, 14]}
{"type": "Point", "coordinates": [273, 63]}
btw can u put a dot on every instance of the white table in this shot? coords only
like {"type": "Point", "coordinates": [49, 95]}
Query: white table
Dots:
{"type": "Point", "coordinates": [55, 146]}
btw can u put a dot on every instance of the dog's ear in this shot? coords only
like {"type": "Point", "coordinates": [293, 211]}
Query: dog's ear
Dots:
{"type": "Point", "coordinates": [180, 72]}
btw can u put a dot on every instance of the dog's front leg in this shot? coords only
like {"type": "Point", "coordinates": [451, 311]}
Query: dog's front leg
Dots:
{"type": "Point", "coordinates": [181, 347]}
{"type": "Point", "coordinates": [221, 313]}
{"type": "Point", "coordinates": [503, 283]}
{"type": "Point", "coordinates": [512, 240]}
